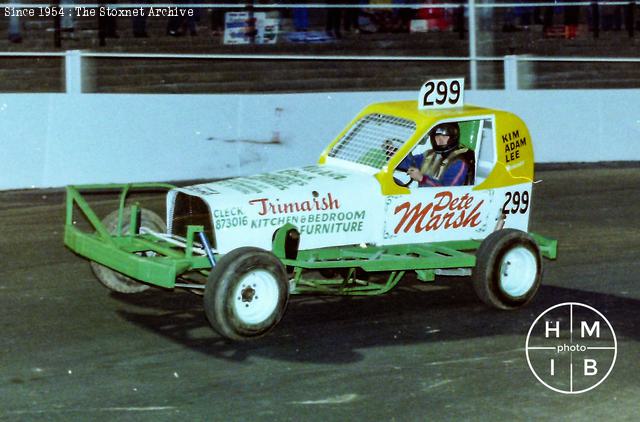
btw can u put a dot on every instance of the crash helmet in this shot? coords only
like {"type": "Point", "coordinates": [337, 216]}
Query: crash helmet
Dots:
{"type": "Point", "coordinates": [452, 130]}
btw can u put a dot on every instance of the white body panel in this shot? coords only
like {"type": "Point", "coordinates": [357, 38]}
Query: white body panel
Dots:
{"type": "Point", "coordinates": [439, 214]}
{"type": "Point", "coordinates": [329, 206]}
{"type": "Point", "coordinates": [335, 205]}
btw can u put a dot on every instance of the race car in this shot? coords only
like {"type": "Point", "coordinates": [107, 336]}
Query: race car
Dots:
{"type": "Point", "coordinates": [352, 224]}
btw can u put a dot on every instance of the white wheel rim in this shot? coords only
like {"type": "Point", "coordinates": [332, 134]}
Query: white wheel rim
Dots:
{"type": "Point", "coordinates": [255, 297]}
{"type": "Point", "coordinates": [518, 271]}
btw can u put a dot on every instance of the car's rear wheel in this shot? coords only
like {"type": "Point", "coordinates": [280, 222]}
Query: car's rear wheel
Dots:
{"type": "Point", "coordinates": [508, 269]}
{"type": "Point", "coordinates": [112, 279]}
{"type": "Point", "coordinates": [246, 293]}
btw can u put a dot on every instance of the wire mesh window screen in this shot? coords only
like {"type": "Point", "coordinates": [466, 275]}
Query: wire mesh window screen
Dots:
{"type": "Point", "coordinates": [373, 140]}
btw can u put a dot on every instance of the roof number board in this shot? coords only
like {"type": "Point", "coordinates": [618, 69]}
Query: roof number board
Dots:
{"type": "Point", "coordinates": [441, 93]}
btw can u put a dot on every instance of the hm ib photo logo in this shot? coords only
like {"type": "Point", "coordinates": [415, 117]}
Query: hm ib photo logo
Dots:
{"type": "Point", "coordinates": [571, 348]}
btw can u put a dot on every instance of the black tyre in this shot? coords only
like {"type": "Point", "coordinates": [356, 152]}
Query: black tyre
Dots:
{"type": "Point", "coordinates": [112, 279]}
{"type": "Point", "coordinates": [246, 293]}
{"type": "Point", "coordinates": [508, 269]}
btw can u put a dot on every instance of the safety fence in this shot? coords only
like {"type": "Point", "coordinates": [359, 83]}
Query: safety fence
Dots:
{"type": "Point", "coordinates": [470, 18]}
{"type": "Point", "coordinates": [516, 69]}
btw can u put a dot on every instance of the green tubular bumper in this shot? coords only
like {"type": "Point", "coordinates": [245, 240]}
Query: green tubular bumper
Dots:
{"type": "Point", "coordinates": [120, 256]}
{"type": "Point", "coordinates": [124, 252]}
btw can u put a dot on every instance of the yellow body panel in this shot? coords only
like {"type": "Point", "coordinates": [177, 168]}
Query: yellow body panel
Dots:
{"type": "Point", "coordinates": [514, 153]}
{"type": "Point", "coordinates": [513, 146]}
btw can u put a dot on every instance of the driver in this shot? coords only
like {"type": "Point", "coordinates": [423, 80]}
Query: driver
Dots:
{"type": "Point", "coordinates": [446, 164]}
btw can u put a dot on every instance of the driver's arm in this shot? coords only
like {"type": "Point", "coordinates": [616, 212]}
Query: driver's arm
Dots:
{"type": "Point", "coordinates": [455, 175]}
{"type": "Point", "coordinates": [410, 161]}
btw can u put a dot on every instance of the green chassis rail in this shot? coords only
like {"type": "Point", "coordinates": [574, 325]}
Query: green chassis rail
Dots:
{"type": "Point", "coordinates": [127, 252]}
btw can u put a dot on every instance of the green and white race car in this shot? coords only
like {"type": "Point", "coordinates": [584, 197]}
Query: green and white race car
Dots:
{"type": "Point", "coordinates": [351, 224]}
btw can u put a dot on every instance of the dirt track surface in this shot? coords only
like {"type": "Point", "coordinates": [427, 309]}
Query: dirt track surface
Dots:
{"type": "Point", "coordinates": [72, 350]}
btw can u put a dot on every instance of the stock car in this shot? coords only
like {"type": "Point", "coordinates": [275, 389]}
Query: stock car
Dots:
{"type": "Point", "coordinates": [351, 224]}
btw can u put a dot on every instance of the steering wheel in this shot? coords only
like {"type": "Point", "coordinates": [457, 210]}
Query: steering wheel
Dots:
{"type": "Point", "coordinates": [400, 181]}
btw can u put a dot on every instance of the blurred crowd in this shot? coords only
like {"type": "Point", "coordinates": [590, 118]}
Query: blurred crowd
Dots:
{"type": "Point", "coordinates": [370, 16]}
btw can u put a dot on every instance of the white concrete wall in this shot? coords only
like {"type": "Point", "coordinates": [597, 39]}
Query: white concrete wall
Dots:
{"type": "Point", "coordinates": [51, 140]}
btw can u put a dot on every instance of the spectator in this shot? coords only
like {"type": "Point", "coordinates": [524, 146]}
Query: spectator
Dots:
{"type": "Point", "coordinates": [571, 18]}
{"type": "Point", "coordinates": [435, 16]}
{"type": "Point", "coordinates": [217, 19]}
{"type": "Point", "coordinates": [404, 15]}
{"type": "Point", "coordinates": [612, 18]}
{"type": "Point", "coordinates": [547, 20]}
{"type": "Point", "coordinates": [139, 24]}
{"type": "Point", "coordinates": [67, 22]}
{"type": "Point", "coordinates": [509, 21]}
{"type": "Point", "coordinates": [351, 16]}
{"type": "Point", "coordinates": [14, 29]}
{"type": "Point", "coordinates": [178, 25]}
{"type": "Point", "coordinates": [519, 15]}
{"type": "Point", "coordinates": [107, 26]}
{"type": "Point", "coordinates": [334, 15]}
{"type": "Point", "coordinates": [301, 19]}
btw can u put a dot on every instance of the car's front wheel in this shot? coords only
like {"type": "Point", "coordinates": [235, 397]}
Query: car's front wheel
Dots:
{"type": "Point", "coordinates": [112, 279]}
{"type": "Point", "coordinates": [246, 293]}
{"type": "Point", "coordinates": [508, 269]}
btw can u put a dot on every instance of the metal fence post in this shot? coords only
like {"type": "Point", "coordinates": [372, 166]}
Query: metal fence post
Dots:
{"type": "Point", "coordinates": [73, 71]}
{"type": "Point", "coordinates": [473, 59]}
{"type": "Point", "coordinates": [511, 73]}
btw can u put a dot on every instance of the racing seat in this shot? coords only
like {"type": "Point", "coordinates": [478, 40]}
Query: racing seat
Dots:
{"type": "Point", "coordinates": [470, 158]}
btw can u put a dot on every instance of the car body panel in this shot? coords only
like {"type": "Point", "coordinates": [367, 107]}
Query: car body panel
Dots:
{"type": "Point", "coordinates": [514, 162]}
{"type": "Point", "coordinates": [328, 205]}
{"type": "Point", "coordinates": [344, 202]}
